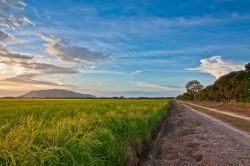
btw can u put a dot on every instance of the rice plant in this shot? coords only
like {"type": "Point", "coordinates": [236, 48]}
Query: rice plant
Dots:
{"type": "Point", "coordinates": [74, 132]}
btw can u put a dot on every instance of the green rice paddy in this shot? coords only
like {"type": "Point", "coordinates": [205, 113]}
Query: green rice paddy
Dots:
{"type": "Point", "coordinates": [75, 132]}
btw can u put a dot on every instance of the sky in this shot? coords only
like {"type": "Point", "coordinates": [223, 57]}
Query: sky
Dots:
{"type": "Point", "coordinates": [120, 48]}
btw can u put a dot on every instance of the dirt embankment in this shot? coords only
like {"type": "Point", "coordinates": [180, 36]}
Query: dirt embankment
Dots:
{"type": "Point", "coordinates": [193, 139]}
{"type": "Point", "coordinates": [238, 108]}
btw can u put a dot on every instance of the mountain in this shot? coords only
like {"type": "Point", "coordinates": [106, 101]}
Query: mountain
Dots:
{"type": "Point", "coordinates": [55, 93]}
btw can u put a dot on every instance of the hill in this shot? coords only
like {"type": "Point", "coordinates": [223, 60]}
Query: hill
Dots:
{"type": "Point", "coordinates": [55, 93]}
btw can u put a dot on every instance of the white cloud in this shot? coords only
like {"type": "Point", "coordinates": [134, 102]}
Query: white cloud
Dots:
{"type": "Point", "coordinates": [94, 71]}
{"type": "Point", "coordinates": [217, 67]}
{"type": "Point", "coordinates": [156, 86]}
{"type": "Point", "coordinates": [135, 74]}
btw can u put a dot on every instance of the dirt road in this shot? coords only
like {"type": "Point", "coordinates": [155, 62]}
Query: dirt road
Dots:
{"type": "Point", "coordinates": [193, 139]}
{"type": "Point", "coordinates": [221, 112]}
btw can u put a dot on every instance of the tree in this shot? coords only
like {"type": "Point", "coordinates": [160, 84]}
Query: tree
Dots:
{"type": "Point", "coordinates": [194, 87]}
{"type": "Point", "coordinates": [234, 86]}
{"type": "Point", "coordinates": [247, 67]}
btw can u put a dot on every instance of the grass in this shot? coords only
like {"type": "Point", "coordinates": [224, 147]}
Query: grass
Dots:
{"type": "Point", "coordinates": [235, 107]}
{"type": "Point", "coordinates": [236, 122]}
{"type": "Point", "coordinates": [75, 132]}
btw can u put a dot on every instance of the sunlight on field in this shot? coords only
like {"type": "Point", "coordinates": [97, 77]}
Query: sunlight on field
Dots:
{"type": "Point", "coordinates": [74, 132]}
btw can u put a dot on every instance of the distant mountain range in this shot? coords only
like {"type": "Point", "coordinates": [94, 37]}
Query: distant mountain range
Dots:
{"type": "Point", "coordinates": [55, 93]}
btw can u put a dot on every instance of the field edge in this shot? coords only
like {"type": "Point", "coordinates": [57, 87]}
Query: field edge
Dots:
{"type": "Point", "coordinates": [142, 152]}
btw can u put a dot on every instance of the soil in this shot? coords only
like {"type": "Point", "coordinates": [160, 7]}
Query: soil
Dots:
{"type": "Point", "coordinates": [194, 139]}
{"type": "Point", "coordinates": [238, 108]}
{"type": "Point", "coordinates": [233, 114]}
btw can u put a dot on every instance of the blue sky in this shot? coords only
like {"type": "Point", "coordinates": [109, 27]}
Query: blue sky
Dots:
{"type": "Point", "coordinates": [129, 47]}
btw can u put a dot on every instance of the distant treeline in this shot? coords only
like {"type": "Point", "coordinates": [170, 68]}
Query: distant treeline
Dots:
{"type": "Point", "coordinates": [123, 97]}
{"type": "Point", "coordinates": [234, 86]}
{"type": "Point", "coordinates": [115, 97]}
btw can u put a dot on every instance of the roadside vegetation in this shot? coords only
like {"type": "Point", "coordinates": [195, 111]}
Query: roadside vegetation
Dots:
{"type": "Point", "coordinates": [241, 124]}
{"type": "Point", "coordinates": [241, 108]}
{"type": "Point", "coordinates": [75, 132]}
{"type": "Point", "coordinates": [232, 87]}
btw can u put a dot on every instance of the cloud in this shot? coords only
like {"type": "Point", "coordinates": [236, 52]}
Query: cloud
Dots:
{"type": "Point", "coordinates": [12, 14]}
{"type": "Point", "coordinates": [12, 65]}
{"type": "Point", "coordinates": [13, 68]}
{"type": "Point", "coordinates": [201, 20]}
{"type": "Point", "coordinates": [14, 4]}
{"type": "Point", "coordinates": [13, 22]}
{"type": "Point", "coordinates": [67, 52]}
{"type": "Point", "coordinates": [5, 55]}
{"type": "Point", "coordinates": [217, 67]}
{"type": "Point", "coordinates": [47, 68]}
{"type": "Point", "coordinates": [26, 79]}
{"type": "Point", "coordinates": [101, 72]}
{"type": "Point", "coordinates": [156, 86]}
{"type": "Point", "coordinates": [20, 77]}
{"type": "Point", "coordinates": [122, 27]}
{"type": "Point", "coordinates": [189, 50]}
{"type": "Point", "coordinates": [135, 74]}
{"type": "Point", "coordinates": [5, 36]}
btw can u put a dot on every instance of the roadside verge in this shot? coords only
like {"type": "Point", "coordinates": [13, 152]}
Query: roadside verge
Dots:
{"type": "Point", "coordinates": [218, 111]}
{"type": "Point", "coordinates": [240, 126]}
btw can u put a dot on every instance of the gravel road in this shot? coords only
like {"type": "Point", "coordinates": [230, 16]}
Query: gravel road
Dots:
{"type": "Point", "coordinates": [194, 139]}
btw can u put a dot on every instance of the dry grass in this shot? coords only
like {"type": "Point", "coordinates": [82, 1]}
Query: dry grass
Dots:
{"type": "Point", "coordinates": [239, 108]}
{"type": "Point", "coordinates": [236, 122]}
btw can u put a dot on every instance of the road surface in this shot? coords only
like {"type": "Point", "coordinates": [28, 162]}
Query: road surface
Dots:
{"type": "Point", "coordinates": [193, 138]}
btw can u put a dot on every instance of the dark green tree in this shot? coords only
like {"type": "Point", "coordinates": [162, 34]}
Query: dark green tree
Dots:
{"type": "Point", "coordinates": [194, 87]}
{"type": "Point", "coordinates": [247, 67]}
{"type": "Point", "coordinates": [234, 86]}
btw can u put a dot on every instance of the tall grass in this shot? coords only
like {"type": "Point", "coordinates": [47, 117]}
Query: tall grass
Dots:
{"type": "Point", "coordinates": [74, 132]}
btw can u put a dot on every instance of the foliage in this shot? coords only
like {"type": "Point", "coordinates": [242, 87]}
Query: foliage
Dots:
{"type": "Point", "coordinates": [234, 86]}
{"type": "Point", "coordinates": [74, 132]}
{"type": "Point", "coordinates": [193, 88]}
{"type": "Point", "coordinates": [247, 67]}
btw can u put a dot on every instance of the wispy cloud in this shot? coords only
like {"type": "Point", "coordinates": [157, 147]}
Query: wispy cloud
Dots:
{"type": "Point", "coordinates": [24, 69]}
{"type": "Point", "coordinates": [135, 74]}
{"type": "Point", "coordinates": [103, 41]}
{"type": "Point", "coordinates": [156, 86]}
{"type": "Point", "coordinates": [189, 50]}
{"type": "Point", "coordinates": [14, 4]}
{"type": "Point", "coordinates": [11, 14]}
{"type": "Point", "coordinates": [67, 52]}
{"type": "Point", "coordinates": [216, 66]}
{"type": "Point", "coordinates": [8, 56]}
{"type": "Point", "coordinates": [122, 26]}
{"type": "Point", "coordinates": [19, 68]}
{"type": "Point", "coordinates": [27, 79]}
{"type": "Point", "coordinates": [95, 71]}
{"type": "Point", "coordinates": [4, 36]}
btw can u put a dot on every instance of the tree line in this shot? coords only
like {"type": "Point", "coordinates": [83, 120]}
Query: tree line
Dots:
{"type": "Point", "coordinates": [234, 86]}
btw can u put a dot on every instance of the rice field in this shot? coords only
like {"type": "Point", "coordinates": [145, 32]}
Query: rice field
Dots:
{"type": "Point", "coordinates": [75, 132]}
